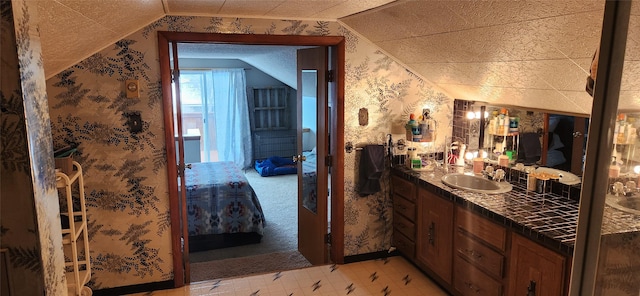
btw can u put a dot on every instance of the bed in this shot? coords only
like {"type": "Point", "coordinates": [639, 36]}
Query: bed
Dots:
{"type": "Point", "coordinates": [222, 208]}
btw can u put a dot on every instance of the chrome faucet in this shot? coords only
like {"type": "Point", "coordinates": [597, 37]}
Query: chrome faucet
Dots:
{"type": "Point", "coordinates": [617, 188]}
{"type": "Point", "coordinates": [488, 172]}
{"type": "Point", "coordinates": [499, 175]}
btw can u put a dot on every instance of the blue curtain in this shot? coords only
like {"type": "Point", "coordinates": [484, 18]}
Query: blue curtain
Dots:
{"type": "Point", "coordinates": [227, 117]}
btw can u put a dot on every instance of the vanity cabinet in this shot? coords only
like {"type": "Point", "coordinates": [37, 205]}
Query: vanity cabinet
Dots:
{"type": "Point", "coordinates": [535, 270]}
{"type": "Point", "coordinates": [468, 253]}
{"type": "Point", "coordinates": [434, 238]}
{"type": "Point", "coordinates": [404, 216]}
{"type": "Point", "coordinates": [479, 255]}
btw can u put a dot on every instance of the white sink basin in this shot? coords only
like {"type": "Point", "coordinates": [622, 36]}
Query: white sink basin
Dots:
{"type": "Point", "coordinates": [623, 203]}
{"type": "Point", "coordinates": [476, 184]}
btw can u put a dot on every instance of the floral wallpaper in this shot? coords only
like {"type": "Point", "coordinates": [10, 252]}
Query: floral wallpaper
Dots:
{"type": "Point", "coordinates": [125, 173]}
{"type": "Point", "coordinates": [34, 255]}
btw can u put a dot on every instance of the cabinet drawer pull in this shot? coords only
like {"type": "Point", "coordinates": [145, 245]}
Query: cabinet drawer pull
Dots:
{"type": "Point", "coordinates": [472, 287]}
{"type": "Point", "coordinates": [432, 234]}
{"type": "Point", "coordinates": [472, 253]}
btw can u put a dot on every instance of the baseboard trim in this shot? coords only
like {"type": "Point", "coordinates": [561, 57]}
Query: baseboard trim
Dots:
{"type": "Point", "coordinates": [370, 256]}
{"type": "Point", "coordinates": [135, 289]}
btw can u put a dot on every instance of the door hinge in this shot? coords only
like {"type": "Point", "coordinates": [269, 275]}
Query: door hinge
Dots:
{"type": "Point", "coordinates": [175, 75]}
{"type": "Point", "coordinates": [328, 160]}
{"type": "Point", "coordinates": [330, 75]}
{"type": "Point", "coordinates": [182, 245]}
{"type": "Point", "coordinates": [327, 238]}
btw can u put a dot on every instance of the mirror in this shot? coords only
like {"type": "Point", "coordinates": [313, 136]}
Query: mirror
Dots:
{"type": "Point", "coordinates": [309, 123]}
{"type": "Point", "coordinates": [531, 137]}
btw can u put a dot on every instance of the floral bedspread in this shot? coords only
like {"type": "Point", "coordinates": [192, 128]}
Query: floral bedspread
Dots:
{"type": "Point", "coordinates": [220, 200]}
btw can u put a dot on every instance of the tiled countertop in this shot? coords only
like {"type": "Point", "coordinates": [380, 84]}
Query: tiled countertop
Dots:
{"type": "Point", "coordinates": [550, 219]}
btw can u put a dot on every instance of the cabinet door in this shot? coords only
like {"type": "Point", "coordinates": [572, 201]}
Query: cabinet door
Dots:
{"type": "Point", "coordinates": [435, 233]}
{"type": "Point", "coordinates": [535, 270]}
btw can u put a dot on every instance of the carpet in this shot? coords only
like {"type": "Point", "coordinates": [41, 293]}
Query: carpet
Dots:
{"type": "Point", "coordinates": [251, 265]}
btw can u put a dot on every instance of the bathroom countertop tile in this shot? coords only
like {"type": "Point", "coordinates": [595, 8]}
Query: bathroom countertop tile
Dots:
{"type": "Point", "coordinates": [548, 218]}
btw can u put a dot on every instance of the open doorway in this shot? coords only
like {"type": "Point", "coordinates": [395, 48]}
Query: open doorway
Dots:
{"type": "Point", "coordinates": [179, 207]}
{"type": "Point", "coordinates": [270, 118]}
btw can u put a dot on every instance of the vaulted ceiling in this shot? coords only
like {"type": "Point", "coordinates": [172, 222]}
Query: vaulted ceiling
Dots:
{"type": "Point", "coordinates": [534, 54]}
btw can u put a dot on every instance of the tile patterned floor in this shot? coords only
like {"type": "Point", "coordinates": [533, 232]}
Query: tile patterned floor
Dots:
{"type": "Point", "coordinates": [392, 276]}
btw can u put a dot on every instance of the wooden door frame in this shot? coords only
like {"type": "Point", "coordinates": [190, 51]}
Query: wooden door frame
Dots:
{"type": "Point", "coordinates": [336, 128]}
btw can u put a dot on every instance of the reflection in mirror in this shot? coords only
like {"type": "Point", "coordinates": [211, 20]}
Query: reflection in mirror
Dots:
{"type": "Point", "coordinates": [531, 137]}
{"type": "Point", "coordinates": [309, 127]}
{"type": "Point", "coordinates": [494, 130]}
{"type": "Point", "coordinates": [515, 133]}
{"type": "Point", "coordinates": [625, 138]}
{"type": "Point", "coordinates": [566, 139]}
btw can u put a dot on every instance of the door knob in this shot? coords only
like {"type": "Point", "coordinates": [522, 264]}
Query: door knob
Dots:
{"type": "Point", "coordinates": [577, 134]}
{"type": "Point", "coordinates": [299, 158]}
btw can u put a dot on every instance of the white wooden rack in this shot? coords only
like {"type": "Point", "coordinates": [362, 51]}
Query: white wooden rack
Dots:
{"type": "Point", "coordinates": [75, 238]}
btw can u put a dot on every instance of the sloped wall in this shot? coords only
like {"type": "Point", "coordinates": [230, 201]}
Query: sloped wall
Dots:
{"type": "Point", "coordinates": [28, 197]}
{"type": "Point", "coordinates": [126, 179]}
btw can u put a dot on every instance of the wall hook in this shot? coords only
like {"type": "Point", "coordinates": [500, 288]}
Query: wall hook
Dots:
{"type": "Point", "coordinates": [348, 147]}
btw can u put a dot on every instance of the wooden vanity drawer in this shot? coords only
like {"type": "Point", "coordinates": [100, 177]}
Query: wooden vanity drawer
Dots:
{"type": "Point", "coordinates": [469, 280]}
{"type": "Point", "coordinates": [404, 188]}
{"type": "Point", "coordinates": [480, 255]}
{"type": "Point", "coordinates": [491, 233]}
{"type": "Point", "coordinates": [404, 207]}
{"type": "Point", "coordinates": [404, 226]}
{"type": "Point", "coordinates": [405, 245]}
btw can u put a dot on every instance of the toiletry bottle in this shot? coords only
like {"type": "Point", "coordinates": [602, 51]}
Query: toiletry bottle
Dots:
{"type": "Point", "coordinates": [492, 126]}
{"type": "Point", "coordinates": [621, 133]}
{"type": "Point", "coordinates": [411, 154]}
{"type": "Point", "coordinates": [424, 130]}
{"type": "Point", "coordinates": [503, 160]}
{"type": "Point", "coordinates": [433, 125]}
{"type": "Point", "coordinates": [478, 165]}
{"type": "Point", "coordinates": [614, 168]}
{"type": "Point", "coordinates": [513, 124]}
{"type": "Point", "coordinates": [505, 129]}
{"type": "Point", "coordinates": [461, 155]}
{"type": "Point", "coordinates": [414, 126]}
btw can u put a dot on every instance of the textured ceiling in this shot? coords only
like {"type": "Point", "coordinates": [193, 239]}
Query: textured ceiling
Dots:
{"type": "Point", "coordinates": [277, 61]}
{"type": "Point", "coordinates": [534, 54]}
{"type": "Point", "coordinates": [505, 52]}
{"type": "Point", "coordinates": [72, 30]}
